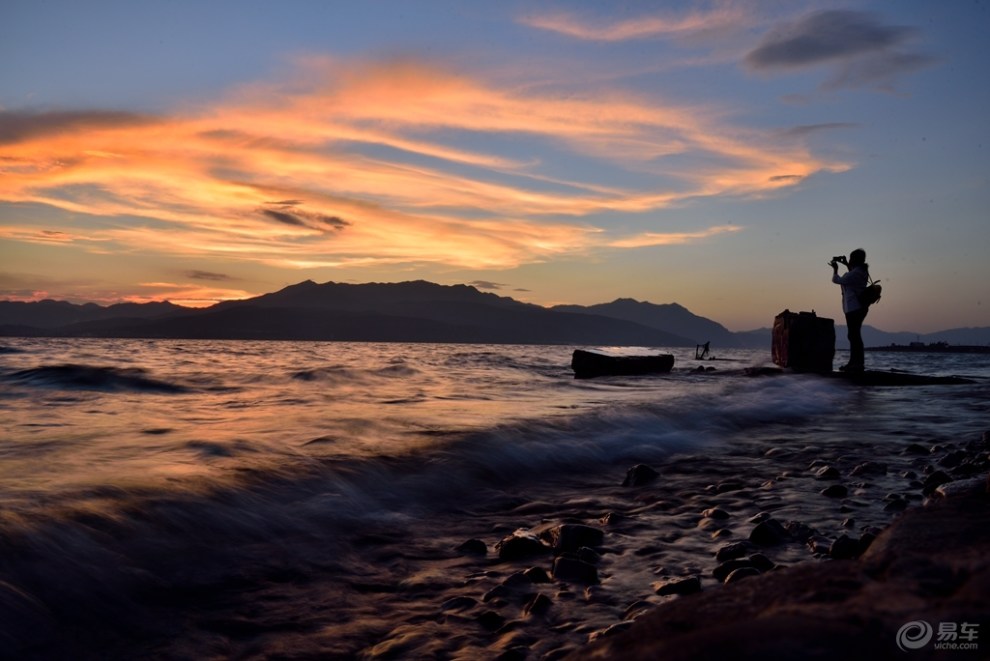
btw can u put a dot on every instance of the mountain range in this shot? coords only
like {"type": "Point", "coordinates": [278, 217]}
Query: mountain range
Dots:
{"type": "Point", "coordinates": [416, 311]}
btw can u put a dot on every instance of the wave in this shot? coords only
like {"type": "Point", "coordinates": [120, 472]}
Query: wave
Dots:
{"type": "Point", "coordinates": [91, 377]}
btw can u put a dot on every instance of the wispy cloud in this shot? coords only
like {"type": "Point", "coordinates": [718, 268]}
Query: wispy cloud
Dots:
{"type": "Point", "coordinates": [648, 26]}
{"type": "Point", "coordinates": [861, 49]}
{"type": "Point", "coordinates": [383, 163]}
{"type": "Point", "coordinates": [648, 239]}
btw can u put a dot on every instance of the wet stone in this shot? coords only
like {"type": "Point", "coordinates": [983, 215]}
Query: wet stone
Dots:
{"type": "Point", "coordinates": [458, 604]}
{"type": "Point", "coordinates": [741, 573]}
{"type": "Point", "coordinates": [569, 537]}
{"type": "Point", "coordinates": [799, 531]}
{"type": "Point", "coordinates": [570, 569]}
{"type": "Point", "coordinates": [520, 546]}
{"type": "Point", "coordinates": [934, 481]}
{"type": "Point", "coordinates": [639, 475]}
{"type": "Point", "coordinates": [844, 547]}
{"type": "Point", "coordinates": [725, 486]}
{"type": "Point", "coordinates": [715, 513]}
{"type": "Point", "coordinates": [473, 547]}
{"type": "Point", "coordinates": [762, 562]}
{"type": "Point", "coordinates": [870, 468]}
{"type": "Point", "coordinates": [733, 551]}
{"type": "Point", "coordinates": [827, 473]}
{"type": "Point", "coordinates": [491, 620]}
{"type": "Point", "coordinates": [678, 586]}
{"type": "Point", "coordinates": [723, 570]}
{"type": "Point", "coordinates": [835, 491]}
{"type": "Point", "coordinates": [538, 605]}
{"type": "Point", "coordinates": [613, 518]}
{"type": "Point", "coordinates": [537, 575]}
{"type": "Point", "coordinates": [769, 533]}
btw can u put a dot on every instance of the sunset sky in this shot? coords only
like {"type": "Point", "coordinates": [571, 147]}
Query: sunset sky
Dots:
{"type": "Point", "coordinates": [714, 154]}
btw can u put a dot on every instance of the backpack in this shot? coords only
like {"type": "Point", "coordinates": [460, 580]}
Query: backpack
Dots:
{"type": "Point", "coordinates": [871, 294]}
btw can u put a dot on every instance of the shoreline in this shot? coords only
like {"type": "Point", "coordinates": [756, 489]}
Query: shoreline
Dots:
{"type": "Point", "coordinates": [919, 589]}
{"type": "Point", "coordinates": [556, 575]}
{"type": "Point", "coordinates": [599, 552]}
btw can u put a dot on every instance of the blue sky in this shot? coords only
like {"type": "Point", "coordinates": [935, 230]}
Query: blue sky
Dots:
{"type": "Point", "coordinates": [712, 154]}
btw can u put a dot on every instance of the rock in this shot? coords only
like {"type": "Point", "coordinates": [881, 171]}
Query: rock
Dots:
{"type": "Point", "coordinates": [934, 481]}
{"type": "Point", "coordinates": [950, 489]}
{"type": "Point", "coordinates": [519, 546]}
{"type": "Point", "coordinates": [473, 547]}
{"type": "Point", "coordinates": [538, 605]}
{"type": "Point", "coordinates": [844, 548]}
{"type": "Point", "coordinates": [835, 491]}
{"type": "Point", "coordinates": [678, 586]}
{"type": "Point", "coordinates": [715, 513]}
{"type": "Point", "coordinates": [769, 533]}
{"type": "Point", "coordinates": [613, 518]}
{"type": "Point", "coordinates": [722, 571]}
{"type": "Point", "coordinates": [517, 580]}
{"type": "Point", "coordinates": [953, 459]}
{"type": "Point", "coordinates": [827, 473]}
{"type": "Point", "coordinates": [458, 604]}
{"type": "Point", "coordinates": [741, 573]}
{"type": "Point", "coordinates": [819, 544]}
{"type": "Point", "coordinates": [726, 486]}
{"type": "Point", "coordinates": [568, 569]}
{"type": "Point", "coordinates": [870, 468]}
{"type": "Point", "coordinates": [617, 628]}
{"type": "Point", "coordinates": [762, 562]}
{"type": "Point", "coordinates": [590, 556]}
{"type": "Point", "coordinates": [639, 475]}
{"type": "Point", "coordinates": [733, 551]}
{"type": "Point", "coordinates": [497, 595]}
{"type": "Point", "coordinates": [898, 505]}
{"type": "Point", "coordinates": [799, 532]}
{"type": "Point", "coordinates": [569, 537]}
{"type": "Point", "coordinates": [537, 575]}
{"type": "Point", "coordinates": [491, 620]}
{"type": "Point", "coordinates": [915, 449]}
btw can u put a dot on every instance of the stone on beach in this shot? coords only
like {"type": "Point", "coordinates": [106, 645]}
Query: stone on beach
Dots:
{"type": "Point", "coordinates": [568, 569]}
{"type": "Point", "coordinates": [929, 565]}
{"type": "Point", "coordinates": [769, 532]}
{"type": "Point", "coordinates": [521, 546]}
{"type": "Point", "coordinates": [569, 537]}
{"type": "Point", "coordinates": [678, 586]}
{"type": "Point", "coordinates": [639, 475]}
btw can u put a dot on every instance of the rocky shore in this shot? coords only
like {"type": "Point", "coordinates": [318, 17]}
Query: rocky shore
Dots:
{"type": "Point", "coordinates": [758, 548]}
{"type": "Point", "coordinates": [787, 554]}
{"type": "Point", "coordinates": [918, 592]}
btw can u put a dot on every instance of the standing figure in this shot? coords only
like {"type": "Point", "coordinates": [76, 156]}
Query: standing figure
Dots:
{"type": "Point", "coordinates": [853, 283]}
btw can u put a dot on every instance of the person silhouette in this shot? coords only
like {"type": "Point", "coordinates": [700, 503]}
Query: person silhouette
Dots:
{"type": "Point", "coordinates": [853, 283]}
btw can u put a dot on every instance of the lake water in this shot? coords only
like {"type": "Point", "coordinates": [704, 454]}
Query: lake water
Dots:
{"type": "Point", "coordinates": [151, 489]}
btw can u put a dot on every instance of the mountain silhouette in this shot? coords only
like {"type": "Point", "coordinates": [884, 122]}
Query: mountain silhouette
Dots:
{"type": "Point", "coordinates": [415, 311]}
{"type": "Point", "coordinates": [671, 317]}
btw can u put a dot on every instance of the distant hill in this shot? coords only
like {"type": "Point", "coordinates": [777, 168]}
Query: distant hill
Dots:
{"type": "Point", "coordinates": [670, 317]}
{"type": "Point", "coordinates": [50, 314]}
{"type": "Point", "coordinates": [416, 311]}
{"type": "Point", "coordinates": [400, 312]}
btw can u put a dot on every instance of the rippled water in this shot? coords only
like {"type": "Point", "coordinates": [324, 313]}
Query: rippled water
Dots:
{"type": "Point", "coordinates": [130, 469]}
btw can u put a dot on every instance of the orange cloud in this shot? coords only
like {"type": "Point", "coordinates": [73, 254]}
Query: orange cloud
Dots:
{"type": "Point", "coordinates": [394, 162]}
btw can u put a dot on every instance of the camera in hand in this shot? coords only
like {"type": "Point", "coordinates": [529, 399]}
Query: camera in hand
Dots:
{"type": "Point", "coordinates": [841, 259]}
